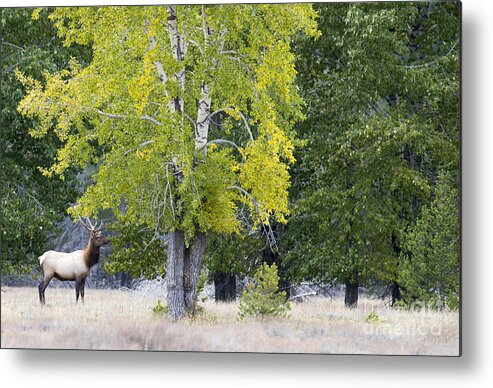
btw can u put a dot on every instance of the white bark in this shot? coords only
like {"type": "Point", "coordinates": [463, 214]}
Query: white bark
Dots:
{"type": "Point", "coordinates": [178, 49]}
{"type": "Point", "coordinates": [203, 118]}
{"type": "Point", "coordinates": [158, 63]}
{"type": "Point", "coordinates": [204, 106]}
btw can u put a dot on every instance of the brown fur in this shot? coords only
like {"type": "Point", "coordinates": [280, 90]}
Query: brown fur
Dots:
{"type": "Point", "coordinates": [91, 251]}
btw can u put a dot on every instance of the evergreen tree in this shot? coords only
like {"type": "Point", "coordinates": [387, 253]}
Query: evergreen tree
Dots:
{"type": "Point", "coordinates": [261, 298]}
{"type": "Point", "coordinates": [431, 271]}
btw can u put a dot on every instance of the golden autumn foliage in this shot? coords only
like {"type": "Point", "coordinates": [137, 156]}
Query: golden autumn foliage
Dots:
{"type": "Point", "coordinates": [117, 111]}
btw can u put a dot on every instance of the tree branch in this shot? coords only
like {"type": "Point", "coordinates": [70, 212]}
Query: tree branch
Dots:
{"type": "Point", "coordinates": [242, 116]}
{"type": "Point", "coordinates": [232, 52]}
{"type": "Point", "coordinates": [241, 189]}
{"type": "Point", "coordinates": [14, 46]}
{"type": "Point", "coordinates": [122, 117]}
{"type": "Point", "coordinates": [246, 125]}
{"type": "Point", "coordinates": [205, 26]}
{"type": "Point", "coordinates": [158, 63]}
{"type": "Point", "coordinates": [110, 115]}
{"type": "Point", "coordinates": [221, 141]}
{"type": "Point", "coordinates": [432, 62]}
{"type": "Point", "coordinates": [191, 120]}
{"type": "Point", "coordinates": [377, 109]}
{"type": "Point", "coordinates": [151, 119]}
{"type": "Point", "coordinates": [196, 45]}
{"type": "Point", "coordinates": [146, 143]}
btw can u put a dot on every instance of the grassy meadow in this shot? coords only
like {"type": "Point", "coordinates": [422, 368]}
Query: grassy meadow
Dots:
{"type": "Point", "coordinates": [123, 320]}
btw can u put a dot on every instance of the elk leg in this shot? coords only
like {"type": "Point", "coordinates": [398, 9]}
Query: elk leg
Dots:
{"type": "Point", "coordinates": [42, 287]}
{"type": "Point", "coordinates": [82, 285]}
{"type": "Point", "coordinates": [77, 289]}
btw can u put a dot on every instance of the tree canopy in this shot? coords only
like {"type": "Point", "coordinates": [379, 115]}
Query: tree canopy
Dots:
{"type": "Point", "coordinates": [382, 122]}
{"type": "Point", "coordinates": [115, 112]}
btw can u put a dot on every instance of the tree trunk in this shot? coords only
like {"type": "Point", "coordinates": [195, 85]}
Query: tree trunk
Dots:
{"type": "Point", "coordinates": [176, 242]}
{"type": "Point", "coordinates": [396, 293]}
{"type": "Point", "coordinates": [174, 275]}
{"type": "Point", "coordinates": [184, 264]}
{"type": "Point", "coordinates": [224, 286]}
{"type": "Point", "coordinates": [178, 50]}
{"type": "Point", "coordinates": [182, 273]}
{"type": "Point", "coordinates": [271, 257]}
{"type": "Point", "coordinates": [204, 105]}
{"type": "Point", "coordinates": [191, 271]}
{"type": "Point", "coordinates": [351, 296]}
{"type": "Point", "coordinates": [203, 117]}
{"type": "Point", "coordinates": [126, 280]}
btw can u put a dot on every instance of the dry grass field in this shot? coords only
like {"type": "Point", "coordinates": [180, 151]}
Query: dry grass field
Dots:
{"type": "Point", "coordinates": [123, 320]}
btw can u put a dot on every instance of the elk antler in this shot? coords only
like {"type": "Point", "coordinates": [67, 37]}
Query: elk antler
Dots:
{"type": "Point", "coordinates": [91, 227]}
{"type": "Point", "coordinates": [84, 224]}
{"type": "Point", "coordinates": [98, 228]}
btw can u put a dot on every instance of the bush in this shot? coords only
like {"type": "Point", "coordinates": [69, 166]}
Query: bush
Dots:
{"type": "Point", "coordinates": [160, 309]}
{"type": "Point", "coordinates": [262, 298]}
{"type": "Point", "coordinates": [374, 318]}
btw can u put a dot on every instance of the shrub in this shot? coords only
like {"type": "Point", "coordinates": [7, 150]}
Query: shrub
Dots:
{"type": "Point", "coordinates": [160, 309]}
{"type": "Point", "coordinates": [262, 298]}
{"type": "Point", "coordinates": [374, 318]}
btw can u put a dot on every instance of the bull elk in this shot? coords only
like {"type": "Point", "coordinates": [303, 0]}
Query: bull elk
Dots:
{"type": "Point", "coordinates": [74, 265]}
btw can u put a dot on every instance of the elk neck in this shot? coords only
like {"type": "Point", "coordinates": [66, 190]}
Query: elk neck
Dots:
{"type": "Point", "coordinates": [91, 254]}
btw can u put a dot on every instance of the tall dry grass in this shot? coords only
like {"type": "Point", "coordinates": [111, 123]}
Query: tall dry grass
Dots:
{"type": "Point", "coordinates": [123, 320]}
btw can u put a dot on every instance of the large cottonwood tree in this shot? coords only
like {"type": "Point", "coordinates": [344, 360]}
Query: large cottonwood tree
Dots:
{"type": "Point", "coordinates": [144, 111]}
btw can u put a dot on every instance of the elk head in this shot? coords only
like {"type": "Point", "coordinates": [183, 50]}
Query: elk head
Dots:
{"type": "Point", "coordinates": [95, 232]}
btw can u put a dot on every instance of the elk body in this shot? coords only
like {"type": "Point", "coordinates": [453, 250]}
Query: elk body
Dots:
{"type": "Point", "coordinates": [73, 266]}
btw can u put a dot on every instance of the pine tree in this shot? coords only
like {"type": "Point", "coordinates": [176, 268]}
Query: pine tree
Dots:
{"type": "Point", "coordinates": [262, 298]}
{"type": "Point", "coordinates": [430, 274]}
